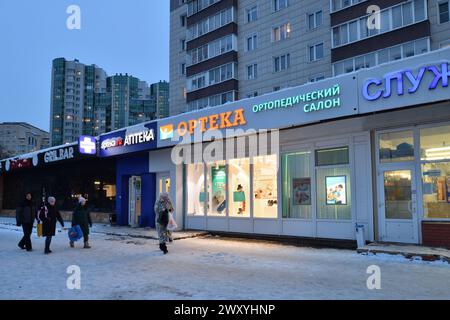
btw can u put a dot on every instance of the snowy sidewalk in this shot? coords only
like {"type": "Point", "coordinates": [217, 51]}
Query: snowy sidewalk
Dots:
{"type": "Point", "coordinates": [408, 251]}
{"type": "Point", "coordinates": [143, 233]}
{"type": "Point", "coordinates": [208, 268]}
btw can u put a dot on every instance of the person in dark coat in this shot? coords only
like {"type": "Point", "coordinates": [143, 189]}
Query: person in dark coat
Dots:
{"type": "Point", "coordinates": [49, 214]}
{"type": "Point", "coordinates": [82, 217]}
{"type": "Point", "coordinates": [25, 216]}
{"type": "Point", "coordinates": [163, 206]}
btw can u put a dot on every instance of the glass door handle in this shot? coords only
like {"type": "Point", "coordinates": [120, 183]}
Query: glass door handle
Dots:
{"type": "Point", "coordinates": [410, 206]}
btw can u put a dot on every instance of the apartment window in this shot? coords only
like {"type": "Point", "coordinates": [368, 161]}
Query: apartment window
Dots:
{"type": "Point", "coordinates": [281, 32]}
{"type": "Point", "coordinates": [341, 4]}
{"type": "Point", "coordinates": [252, 42]}
{"type": "Point", "coordinates": [318, 78]}
{"type": "Point", "coordinates": [183, 20]}
{"type": "Point", "coordinates": [183, 44]}
{"type": "Point", "coordinates": [252, 95]}
{"type": "Point", "coordinates": [252, 71]}
{"type": "Point", "coordinates": [444, 44]}
{"type": "Point", "coordinates": [183, 69]}
{"type": "Point", "coordinates": [198, 5]}
{"type": "Point", "coordinates": [211, 77]}
{"type": "Point", "coordinates": [282, 62]}
{"type": "Point", "coordinates": [211, 23]}
{"type": "Point", "coordinates": [276, 88]}
{"type": "Point", "coordinates": [315, 20]}
{"type": "Point", "coordinates": [444, 12]}
{"type": "Point", "coordinates": [211, 101]}
{"type": "Point", "coordinates": [252, 14]}
{"type": "Point", "coordinates": [280, 4]}
{"type": "Point", "coordinates": [212, 49]}
{"type": "Point", "coordinates": [391, 18]}
{"type": "Point", "coordinates": [407, 49]}
{"type": "Point", "coordinates": [316, 52]}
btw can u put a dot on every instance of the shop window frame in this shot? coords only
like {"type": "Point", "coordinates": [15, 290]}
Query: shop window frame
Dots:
{"type": "Point", "coordinates": [206, 214]}
{"type": "Point", "coordinates": [312, 176]}
{"type": "Point", "coordinates": [419, 177]}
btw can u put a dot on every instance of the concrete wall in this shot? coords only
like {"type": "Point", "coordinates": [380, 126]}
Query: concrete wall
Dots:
{"type": "Point", "coordinates": [301, 70]}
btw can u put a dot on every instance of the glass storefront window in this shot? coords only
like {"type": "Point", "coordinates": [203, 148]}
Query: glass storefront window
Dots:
{"type": "Point", "coordinates": [216, 190]}
{"type": "Point", "coordinates": [195, 188]}
{"type": "Point", "coordinates": [239, 188]}
{"type": "Point", "coordinates": [396, 146]}
{"type": "Point", "coordinates": [398, 194]}
{"type": "Point", "coordinates": [296, 181]}
{"type": "Point", "coordinates": [435, 143]}
{"type": "Point", "coordinates": [265, 200]}
{"type": "Point", "coordinates": [334, 156]}
{"type": "Point", "coordinates": [436, 190]}
{"type": "Point", "coordinates": [333, 193]}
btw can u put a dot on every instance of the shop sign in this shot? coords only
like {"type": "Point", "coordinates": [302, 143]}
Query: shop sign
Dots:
{"type": "Point", "coordinates": [59, 155]}
{"type": "Point", "coordinates": [18, 164]}
{"type": "Point", "coordinates": [407, 82]}
{"type": "Point", "coordinates": [313, 101]}
{"type": "Point", "coordinates": [216, 121]}
{"type": "Point", "coordinates": [133, 139]}
{"type": "Point", "coordinates": [87, 145]}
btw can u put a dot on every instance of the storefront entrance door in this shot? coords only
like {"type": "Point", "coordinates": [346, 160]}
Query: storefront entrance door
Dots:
{"type": "Point", "coordinates": [398, 204]}
{"type": "Point", "coordinates": [135, 201]}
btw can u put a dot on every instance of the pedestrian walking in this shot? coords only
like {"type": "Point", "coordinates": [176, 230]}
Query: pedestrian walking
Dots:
{"type": "Point", "coordinates": [25, 216]}
{"type": "Point", "coordinates": [82, 217]}
{"type": "Point", "coordinates": [163, 209]}
{"type": "Point", "coordinates": [49, 214]}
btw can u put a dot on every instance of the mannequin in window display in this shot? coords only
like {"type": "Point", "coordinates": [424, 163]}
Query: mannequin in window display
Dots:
{"type": "Point", "coordinates": [241, 195]}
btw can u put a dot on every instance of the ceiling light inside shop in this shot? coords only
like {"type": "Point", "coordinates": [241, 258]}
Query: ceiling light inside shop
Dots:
{"type": "Point", "coordinates": [438, 153]}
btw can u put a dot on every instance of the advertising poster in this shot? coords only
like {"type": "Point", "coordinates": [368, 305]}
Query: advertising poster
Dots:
{"type": "Point", "coordinates": [301, 191]}
{"type": "Point", "coordinates": [219, 179]}
{"type": "Point", "coordinates": [448, 189]}
{"type": "Point", "coordinates": [336, 188]}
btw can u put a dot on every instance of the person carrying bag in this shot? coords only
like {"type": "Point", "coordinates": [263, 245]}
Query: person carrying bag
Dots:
{"type": "Point", "coordinates": [163, 210]}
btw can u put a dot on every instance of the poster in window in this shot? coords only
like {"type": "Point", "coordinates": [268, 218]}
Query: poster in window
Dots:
{"type": "Point", "coordinates": [219, 178]}
{"type": "Point", "coordinates": [336, 190]}
{"type": "Point", "coordinates": [448, 189]}
{"type": "Point", "coordinates": [301, 191]}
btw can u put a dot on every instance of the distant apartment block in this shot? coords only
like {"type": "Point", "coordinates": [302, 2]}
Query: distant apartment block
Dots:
{"type": "Point", "coordinates": [160, 92]}
{"type": "Point", "coordinates": [86, 101]}
{"type": "Point", "coordinates": [227, 50]}
{"type": "Point", "coordinates": [20, 137]}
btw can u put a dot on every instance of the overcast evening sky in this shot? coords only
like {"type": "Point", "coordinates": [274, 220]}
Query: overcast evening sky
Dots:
{"type": "Point", "coordinates": [121, 36]}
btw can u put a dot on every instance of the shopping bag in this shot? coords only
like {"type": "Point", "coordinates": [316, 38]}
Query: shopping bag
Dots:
{"type": "Point", "coordinates": [172, 225]}
{"type": "Point", "coordinates": [75, 233]}
{"type": "Point", "coordinates": [39, 229]}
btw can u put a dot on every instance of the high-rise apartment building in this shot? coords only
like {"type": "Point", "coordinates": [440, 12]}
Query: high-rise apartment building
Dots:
{"type": "Point", "coordinates": [226, 50]}
{"type": "Point", "coordinates": [20, 138]}
{"type": "Point", "coordinates": [85, 101]}
{"type": "Point", "coordinates": [75, 87]}
{"type": "Point", "coordinates": [160, 92]}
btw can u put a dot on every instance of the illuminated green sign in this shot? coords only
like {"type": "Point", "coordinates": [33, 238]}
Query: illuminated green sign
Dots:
{"type": "Point", "coordinates": [312, 101]}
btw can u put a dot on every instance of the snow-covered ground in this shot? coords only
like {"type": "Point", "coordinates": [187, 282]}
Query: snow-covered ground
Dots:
{"type": "Point", "coordinates": [208, 268]}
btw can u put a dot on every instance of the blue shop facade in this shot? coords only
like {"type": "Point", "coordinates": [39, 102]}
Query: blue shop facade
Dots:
{"type": "Point", "coordinates": [135, 185]}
